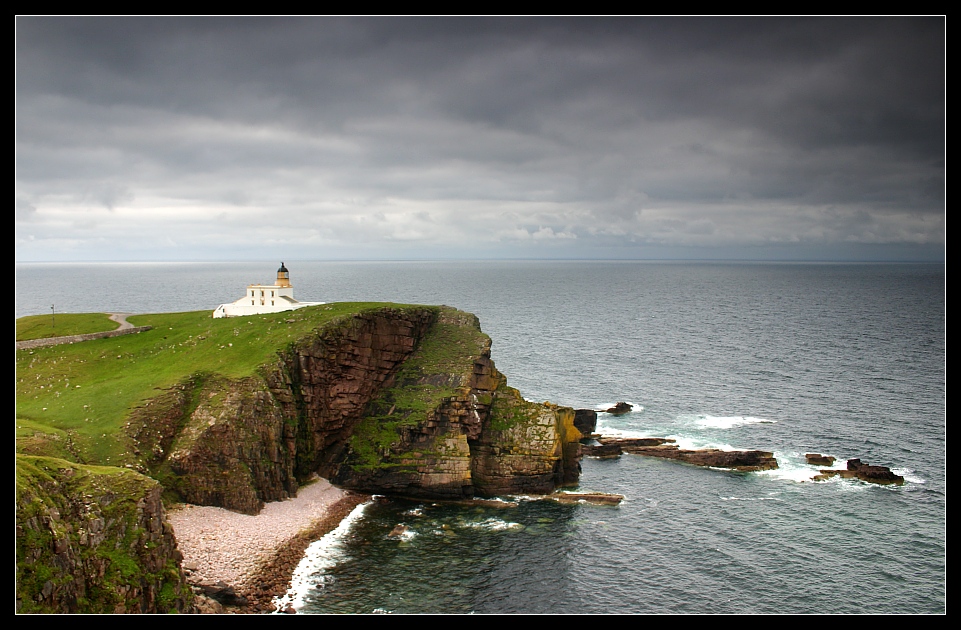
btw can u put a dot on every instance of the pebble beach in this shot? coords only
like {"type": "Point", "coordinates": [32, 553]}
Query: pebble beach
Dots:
{"type": "Point", "coordinates": [257, 554]}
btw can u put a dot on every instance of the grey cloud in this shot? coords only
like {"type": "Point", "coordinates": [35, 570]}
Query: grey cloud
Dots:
{"type": "Point", "coordinates": [23, 210]}
{"type": "Point", "coordinates": [704, 132]}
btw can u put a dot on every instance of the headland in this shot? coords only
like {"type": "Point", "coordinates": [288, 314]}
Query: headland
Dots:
{"type": "Point", "coordinates": [238, 414]}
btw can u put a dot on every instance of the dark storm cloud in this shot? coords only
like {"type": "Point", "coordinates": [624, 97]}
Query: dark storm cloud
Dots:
{"type": "Point", "coordinates": [413, 135]}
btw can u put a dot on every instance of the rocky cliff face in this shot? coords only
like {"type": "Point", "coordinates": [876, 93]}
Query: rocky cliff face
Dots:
{"type": "Point", "coordinates": [448, 426]}
{"type": "Point", "coordinates": [93, 539]}
{"type": "Point", "coordinates": [394, 400]}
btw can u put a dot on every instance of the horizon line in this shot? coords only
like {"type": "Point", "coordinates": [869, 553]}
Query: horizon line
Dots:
{"type": "Point", "coordinates": [486, 260]}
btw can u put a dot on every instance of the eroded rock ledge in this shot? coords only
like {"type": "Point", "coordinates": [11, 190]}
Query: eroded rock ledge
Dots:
{"type": "Point", "coordinates": [857, 470]}
{"type": "Point", "coordinates": [744, 461]}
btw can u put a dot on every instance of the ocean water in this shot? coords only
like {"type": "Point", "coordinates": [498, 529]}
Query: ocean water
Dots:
{"type": "Point", "coordinates": [842, 359]}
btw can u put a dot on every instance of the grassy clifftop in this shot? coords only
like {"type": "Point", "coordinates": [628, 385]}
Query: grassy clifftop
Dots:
{"type": "Point", "coordinates": [73, 400]}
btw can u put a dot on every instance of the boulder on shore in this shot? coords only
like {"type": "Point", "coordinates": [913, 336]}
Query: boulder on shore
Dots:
{"type": "Point", "coordinates": [221, 592]}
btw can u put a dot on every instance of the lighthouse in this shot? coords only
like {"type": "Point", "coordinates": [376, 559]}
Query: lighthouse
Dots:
{"type": "Point", "coordinates": [264, 298]}
{"type": "Point", "coordinates": [283, 276]}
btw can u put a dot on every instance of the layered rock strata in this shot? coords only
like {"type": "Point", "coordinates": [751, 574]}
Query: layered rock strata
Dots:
{"type": "Point", "coordinates": [596, 498]}
{"type": "Point", "coordinates": [816, 459]}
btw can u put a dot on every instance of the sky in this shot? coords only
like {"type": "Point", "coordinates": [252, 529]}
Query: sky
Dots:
{"type": "Point", "coordinates": [319, 138]}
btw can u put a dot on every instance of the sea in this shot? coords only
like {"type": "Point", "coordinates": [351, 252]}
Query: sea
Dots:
{"type": "Point", "coordinates": [846, 360]}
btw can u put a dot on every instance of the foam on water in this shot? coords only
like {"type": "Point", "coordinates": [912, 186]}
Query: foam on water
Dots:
{"type": "Point", "coordinates": [792, 466]}
{"type": "Point", "coordinates": [494, 525]}
{"type": "Point", "coordinates": [319, 556]}
{"type": "Point", "coordinates": [699, 442]}
{"type": "Point", "coordinates": [909, 475]}
{"type": "Point", "coordinates": [405, 536]}
{"type": "Point", "coordinates": [691, 431]}
{"type": "Point", "coordinates": [728, 422]}
{"type": "Point", "coordinates": [610, 431]}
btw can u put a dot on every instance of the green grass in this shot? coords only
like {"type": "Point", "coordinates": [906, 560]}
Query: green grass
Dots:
{"type": "Point", "coordinates": [35, 438]}
{"type": "Point", "coordinates": [63, 324]}
{"type": "Point", "coordinates": [78, 396]}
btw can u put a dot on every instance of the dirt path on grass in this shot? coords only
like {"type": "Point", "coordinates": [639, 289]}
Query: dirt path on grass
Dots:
{"type": "Point", "coordinates": [125, 328]}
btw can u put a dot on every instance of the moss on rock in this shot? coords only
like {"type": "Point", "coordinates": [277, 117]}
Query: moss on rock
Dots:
{"type": "Point", "coordinates": [93, 539]}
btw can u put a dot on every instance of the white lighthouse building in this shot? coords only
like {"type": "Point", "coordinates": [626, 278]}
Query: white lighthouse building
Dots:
{"type": "Point", "coordinates": [265, 298]}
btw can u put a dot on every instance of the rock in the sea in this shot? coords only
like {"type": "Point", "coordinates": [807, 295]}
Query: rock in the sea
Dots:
{"type": "Point", "coordinates": [856, 470]}
{"type": "Point", "coordinates": [744, 461]}
{"type": "Point", "coordinates": [602, 451]}
{"type": "Point", "coordinates": [398, 532]}
{"type": "Point", "coordinates": [619, 409]}
{"type": "Point", "coordinates": [629, 443]}
{"type": "Point", "coordinates": [597, 498]}
{"type": "Point", "coordinates": [816, 459]}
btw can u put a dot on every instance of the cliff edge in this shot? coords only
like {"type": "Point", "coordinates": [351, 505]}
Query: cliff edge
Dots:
{"type": "Point", "coordinates": [393, 400]}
